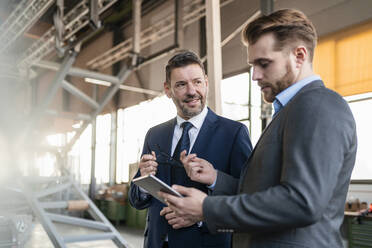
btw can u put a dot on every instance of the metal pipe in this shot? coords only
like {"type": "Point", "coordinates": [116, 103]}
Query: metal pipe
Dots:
{"type": "Point", "coordinates": [240, 28]}
{"type": "Point", "coordinates": [78, 221]}
{"type": "Point", "coordinates": [53, 190]}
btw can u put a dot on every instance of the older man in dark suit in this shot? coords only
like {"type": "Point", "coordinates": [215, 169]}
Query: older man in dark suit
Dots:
{"type": "Point", "coordinates": [292, 190]}
{"type": "Point", "coordinates": [197, 129]}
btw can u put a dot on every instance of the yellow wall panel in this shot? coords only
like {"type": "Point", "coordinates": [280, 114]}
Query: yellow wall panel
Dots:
{"type": "Point", "coordinates": [324, 62]}
{"type": "Point", "coordinates": [344, 60]}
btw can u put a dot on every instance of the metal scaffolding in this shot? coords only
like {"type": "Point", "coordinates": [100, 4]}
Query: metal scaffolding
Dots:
{"type": "Point", "coordinates": [46, 199]}
{"type": "Point", "coordinates": [73, 21]}
{"type": "Point", "coordinates": [21, 19]}
{"type": "Point", "coordinates": [193, 11]}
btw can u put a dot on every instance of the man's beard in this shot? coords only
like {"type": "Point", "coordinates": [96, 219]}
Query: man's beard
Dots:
{"type": "Point", "coordinates": [280, 85]}
{"type": "Point", "coordinates": [188, 112]}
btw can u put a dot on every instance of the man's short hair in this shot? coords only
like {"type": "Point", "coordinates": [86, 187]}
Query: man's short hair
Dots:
{"type": "Point", "coordinates": [181, 59]}
{"type": "Point", "coordinates": [287, 25]}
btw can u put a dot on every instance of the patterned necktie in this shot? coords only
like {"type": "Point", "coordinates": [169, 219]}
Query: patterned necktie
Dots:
{"type": "Point", "coordinates": [178, 174]}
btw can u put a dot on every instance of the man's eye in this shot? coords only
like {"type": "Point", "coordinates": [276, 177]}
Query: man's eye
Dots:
{"type": "Point", "coordinates": [264, 64]}
{"type": "Point", "coordinates": [180, 85]}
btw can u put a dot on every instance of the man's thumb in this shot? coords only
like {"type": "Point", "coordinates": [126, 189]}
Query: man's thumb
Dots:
{"type": "Point", "coordinates": [182, 190]}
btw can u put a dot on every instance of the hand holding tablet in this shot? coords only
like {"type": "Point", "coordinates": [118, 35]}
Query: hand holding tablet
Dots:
{"type": "Point", "coordinates": [153, 185]}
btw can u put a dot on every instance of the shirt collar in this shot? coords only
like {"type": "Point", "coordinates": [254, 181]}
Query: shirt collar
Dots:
{"type": "Point", "coordinates": [286, 95]}
{"type": "Point", "coordinates": [196, 121]}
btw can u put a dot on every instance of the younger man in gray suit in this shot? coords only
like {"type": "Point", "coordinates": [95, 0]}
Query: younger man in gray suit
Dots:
{"type": "Point", "coordinates": [292, 190]}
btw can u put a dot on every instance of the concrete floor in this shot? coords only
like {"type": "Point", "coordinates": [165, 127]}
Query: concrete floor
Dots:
{"type": "Point", "coordinates": [40, 239]}
{"type": "Point", "coordinates": [134, 237]}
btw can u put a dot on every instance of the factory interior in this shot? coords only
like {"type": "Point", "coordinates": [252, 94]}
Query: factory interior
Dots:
{"type": "Point", "coordinates": [82, 82]}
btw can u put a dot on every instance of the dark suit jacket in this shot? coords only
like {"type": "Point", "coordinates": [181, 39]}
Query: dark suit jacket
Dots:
{"type": "Point", "coordinates": [293, 188]}
{"type": "Point", "coordinates": [224, 143]}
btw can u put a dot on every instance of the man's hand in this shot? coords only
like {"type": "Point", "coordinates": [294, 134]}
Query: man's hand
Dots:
{"type": "Point", "coordinates": [173, 220]}
{"type": "Point", "coordinates": [148, 164]}
{"type": "Point", "coordinates": [198, 169]}
{"type": "Point", "coordinates": [189, 207]}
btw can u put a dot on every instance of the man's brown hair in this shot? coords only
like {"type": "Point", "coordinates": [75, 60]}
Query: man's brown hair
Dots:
{"type": "Point", "coordinates": [181, 59]}
{"type": "Point", "coordinates": [287, 25]}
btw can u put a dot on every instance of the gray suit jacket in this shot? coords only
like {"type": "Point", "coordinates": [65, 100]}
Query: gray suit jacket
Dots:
{"type": "Point", "coordinates": [293, 188]}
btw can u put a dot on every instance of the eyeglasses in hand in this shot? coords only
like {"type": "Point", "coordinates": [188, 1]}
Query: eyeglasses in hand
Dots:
{"type": "Point", "coordinates": [165, 158]}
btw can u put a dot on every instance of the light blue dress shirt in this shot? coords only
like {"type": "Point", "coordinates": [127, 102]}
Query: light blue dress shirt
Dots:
{"type": "Point", "coordinates": [286, 95]}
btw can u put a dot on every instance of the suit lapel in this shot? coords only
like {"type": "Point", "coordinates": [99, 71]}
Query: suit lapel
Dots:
{"type": "Point", "coordinates": [206, 131]}
{"type": "Point", "coordinates": [314, 84]}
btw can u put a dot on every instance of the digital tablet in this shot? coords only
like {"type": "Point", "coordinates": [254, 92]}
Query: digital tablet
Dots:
{"type": "Point", "coordinates": [153, 185]}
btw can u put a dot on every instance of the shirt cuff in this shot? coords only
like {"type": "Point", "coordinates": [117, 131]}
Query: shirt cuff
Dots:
{"type": "Point", "coordinates": [211, 187]}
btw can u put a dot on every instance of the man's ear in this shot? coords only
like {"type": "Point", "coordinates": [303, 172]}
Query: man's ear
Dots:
{"type": "Point", "coordinates": [301, 55]}
{"type": "Point", "coordinates": [206, 80]}
{"type": "Point", "coordinates": [167, 89]}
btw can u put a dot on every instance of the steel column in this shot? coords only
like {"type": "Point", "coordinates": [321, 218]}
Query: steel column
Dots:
{"type": "Point", "coordinates": [214, 54]}
{"type": "Point", "coordinates": [178, 33]}
{"type": "Point", "coordinates": [113, 147]}
{"type": "Point", "coordinates": [137, 30]}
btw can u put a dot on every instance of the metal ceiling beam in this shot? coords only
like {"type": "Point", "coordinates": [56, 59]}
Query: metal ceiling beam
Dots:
{"type": "Point", "coordinates": [98, 78]}
{"type": "Point", "coordinates": [78, 93]}
{"type": "Point", "coordinates": [21, 19]}
{"type": "Point", "coordinates": [77, 72]}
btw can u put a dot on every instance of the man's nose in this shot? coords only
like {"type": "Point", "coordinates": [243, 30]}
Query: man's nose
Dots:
{"type": "Point", "coordinates": [191, 89]}
{"type": "Point", "coordinates": [257, 74]}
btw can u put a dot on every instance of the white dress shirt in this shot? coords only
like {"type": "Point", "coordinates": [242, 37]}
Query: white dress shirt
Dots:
{"type": "Point", "coordinates": [196, 121]}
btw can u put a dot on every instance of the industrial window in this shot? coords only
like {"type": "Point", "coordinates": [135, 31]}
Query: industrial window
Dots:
{"type": "Point", "coordinates": [133, 124]}
{"type": "Point", "coordinates": [361, 106]}
{"type": "Point", "coordinates": [80, 156]}
{"type": "Point", "coordinates": [102, 163]}
{"type": "Point", "coordinates": [238, 97]}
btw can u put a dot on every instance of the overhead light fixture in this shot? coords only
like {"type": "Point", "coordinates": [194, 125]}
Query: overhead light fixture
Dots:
{"type": "Point", "coordinates": [123, 87]}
